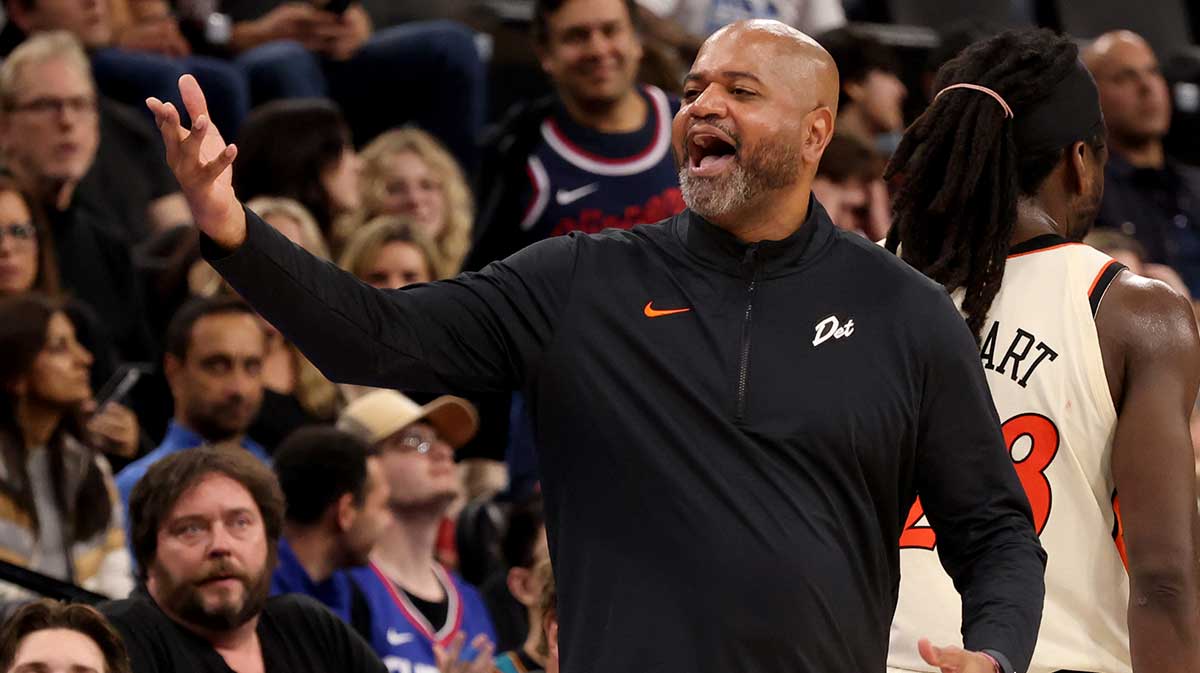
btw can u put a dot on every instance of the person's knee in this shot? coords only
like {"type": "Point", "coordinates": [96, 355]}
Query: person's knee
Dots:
{"type": "Point", "coordinates": [282, 69]}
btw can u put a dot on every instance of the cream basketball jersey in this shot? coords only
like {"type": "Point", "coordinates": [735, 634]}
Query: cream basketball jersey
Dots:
{"type": "Point", "coordinates": [1041, 354]}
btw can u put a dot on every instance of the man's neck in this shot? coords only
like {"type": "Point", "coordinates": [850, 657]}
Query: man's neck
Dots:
{"type": "Point", "coordinates": [774, 218]}
{"type": "Point", "coordinates": [232, 442]}
{"type": "Point", "coordinates": [315, 549]}
{"type": "Point", "coordinates": [37, 422]}
{"type": "Point", "coordinates": [1146, 153]}
{"type": "Point", "coordinates": [1035, 218]}
{"type": "Point", "coordinates": [405, 552]}
{"type": "Point", "coordinates": [533, 641]}
{"type": "Point", "coordinates": [624, 115]}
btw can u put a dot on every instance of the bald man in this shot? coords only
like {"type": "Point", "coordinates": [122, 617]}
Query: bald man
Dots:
{"type": "Point", "coordinates": [1147, 194]}
{"type": "Point", "coordinates": [735, 406]}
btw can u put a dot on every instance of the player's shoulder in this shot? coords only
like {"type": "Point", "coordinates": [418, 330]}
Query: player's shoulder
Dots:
{"type": "Point", "coordinates": [1146, 315]}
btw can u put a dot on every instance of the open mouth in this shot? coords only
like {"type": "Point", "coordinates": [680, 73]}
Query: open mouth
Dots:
{"type": "Point", "coordinates": [710, 153]}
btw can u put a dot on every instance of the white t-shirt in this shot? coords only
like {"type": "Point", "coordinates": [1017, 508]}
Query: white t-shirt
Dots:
{"type": "Point", "coordinates": [703, 17]}
{"type": "Point", "coordinates": [51, 556]}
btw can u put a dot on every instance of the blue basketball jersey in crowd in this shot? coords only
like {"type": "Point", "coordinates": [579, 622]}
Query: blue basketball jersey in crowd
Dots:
{"type": "Point", "coordinates": [584, 180]}
{"type": "Point", "coordinates": [401, 635]}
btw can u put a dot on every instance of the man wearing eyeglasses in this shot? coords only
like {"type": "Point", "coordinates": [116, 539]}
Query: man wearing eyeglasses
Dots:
{"type": "Point", "coordinates": [423, 618]}
{"type": "Point", "coordinates": [50, 133]}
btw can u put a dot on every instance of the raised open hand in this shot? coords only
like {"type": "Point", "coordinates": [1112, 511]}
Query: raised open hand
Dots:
{"type": "Point", "coordinates": [201, 162]}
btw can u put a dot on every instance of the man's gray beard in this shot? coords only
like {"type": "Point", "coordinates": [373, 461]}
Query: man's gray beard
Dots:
{"type": "Point", "coordinates": [758, 170]}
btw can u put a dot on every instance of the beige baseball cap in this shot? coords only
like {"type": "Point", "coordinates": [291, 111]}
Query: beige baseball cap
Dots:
{"type": "Point", "coordinates": [380, 414]}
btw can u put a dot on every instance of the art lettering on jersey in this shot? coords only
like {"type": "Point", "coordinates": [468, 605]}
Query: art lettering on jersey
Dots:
{"type": "Point", "coordinates": [401, 635]}
{"type": "Point", "coordinates": [1021, 346]}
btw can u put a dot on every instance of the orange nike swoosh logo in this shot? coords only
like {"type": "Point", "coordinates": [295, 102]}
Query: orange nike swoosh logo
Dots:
{"type": "Point", "coordinates": [652, 312]}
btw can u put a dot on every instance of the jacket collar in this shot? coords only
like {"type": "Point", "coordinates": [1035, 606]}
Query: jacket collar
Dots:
{"type": "Point", "coordinates": [723, 251]}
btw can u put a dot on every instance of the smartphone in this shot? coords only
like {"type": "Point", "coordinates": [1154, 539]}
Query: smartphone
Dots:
{"type": "Point", "coordinates": [335, 6]}
{"type": "Point", "coordinates": [121, 382]}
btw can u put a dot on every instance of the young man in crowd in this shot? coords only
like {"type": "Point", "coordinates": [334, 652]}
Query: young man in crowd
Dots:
{"type": "Point", "coordinates": [871, 101]}
{"type": "Point", "coordinates": [337, 510]}
{"type": "Point", "coordinates": [206, 524]}
{"type": "Point", "coordinates": [423, 618]}
{"type": "Point", "coordinates": [597, 154]}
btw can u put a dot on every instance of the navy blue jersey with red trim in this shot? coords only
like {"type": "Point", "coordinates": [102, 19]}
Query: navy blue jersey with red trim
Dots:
{"type": "Point", "coordinates": [580, 179]}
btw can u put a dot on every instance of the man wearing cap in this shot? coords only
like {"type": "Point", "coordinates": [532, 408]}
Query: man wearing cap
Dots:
{"type": "Point", "coordinates": [422, 616]}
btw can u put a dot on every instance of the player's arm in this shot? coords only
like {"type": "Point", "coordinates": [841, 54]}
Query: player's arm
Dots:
{"type": "Point", "coordinates": [1150, 340]}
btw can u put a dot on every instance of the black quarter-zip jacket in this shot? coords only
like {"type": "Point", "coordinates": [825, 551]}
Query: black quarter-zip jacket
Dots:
{"type": "Point", "coordinates": [731, 434]}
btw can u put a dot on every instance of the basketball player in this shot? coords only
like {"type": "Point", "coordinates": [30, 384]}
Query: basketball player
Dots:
{"type": "Point", "coordinates": [1092, 368]}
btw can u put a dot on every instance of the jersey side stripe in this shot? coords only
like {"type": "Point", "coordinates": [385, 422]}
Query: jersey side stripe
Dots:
{"type": "Point", "coordinates": [1100, 285]}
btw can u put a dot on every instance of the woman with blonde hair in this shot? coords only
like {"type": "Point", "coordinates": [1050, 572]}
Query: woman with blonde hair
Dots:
{"type": "Point", "coordinates": [407, 172]}
{"type": "Point", "coordinates": [390, 252]}
{"type": "Point", "coordinates": [295, 392]}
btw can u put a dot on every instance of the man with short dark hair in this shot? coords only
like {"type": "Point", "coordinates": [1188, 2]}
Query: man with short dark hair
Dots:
{"type": "Point", "coordinates": [871, 99]}
{"type": "Point", "coordinates": [205, 528]}
{"type": "Point", "coordinates": [336, 511]}
{"type": "Point", "coordinates": [213, 365]}
{"type": "Point", "coordinates": [597, 154]}
{"type": "Point", "coordinates": [850, 185]}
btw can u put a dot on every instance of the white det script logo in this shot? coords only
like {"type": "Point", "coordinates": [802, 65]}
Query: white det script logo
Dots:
{"type": "Point", "coordinates": [567, 197]}
{"type": "Point", "coordinates": [830, 328]}
{"type": "Point", "coordinates": [396, 639]}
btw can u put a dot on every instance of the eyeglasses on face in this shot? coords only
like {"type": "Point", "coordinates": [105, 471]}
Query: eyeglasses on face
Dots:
{"type": "Point", "coordinates": [19, 232]}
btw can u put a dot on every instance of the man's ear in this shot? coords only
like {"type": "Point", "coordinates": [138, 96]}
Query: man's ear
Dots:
{"type": "Point", "coordinates": [819, 126]}
{"type": "Point", "coordinates": [345, 512]}
{"type": "Point", "coordinates": [1079, 168]}
{"type": "Point", "coordinates": [519, 585]}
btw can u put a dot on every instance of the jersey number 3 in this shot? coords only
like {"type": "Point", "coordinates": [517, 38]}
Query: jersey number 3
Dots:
{"type": "Point", "coordinates": [1042, 442]}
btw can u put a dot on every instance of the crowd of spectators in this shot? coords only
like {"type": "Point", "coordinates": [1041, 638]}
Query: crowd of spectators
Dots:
{"type": "Point", "coordinates": [373, 146]}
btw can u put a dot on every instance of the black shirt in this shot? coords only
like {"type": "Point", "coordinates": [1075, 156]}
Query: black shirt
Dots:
{"type": "Point", "coordinates": [96, 267]}
{"type": "Point", "coordinates": [129, 172]}
{"type": "Point", "coordinates": [1160, 207]}
{"type": "Point", "coordinates": [731, 434]}
{"type": "Point", "coordinates": [297, 635]}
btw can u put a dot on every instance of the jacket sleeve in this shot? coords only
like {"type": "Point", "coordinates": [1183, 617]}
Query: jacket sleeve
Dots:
{"type": "Point", "coordinates": [972, 496]}
{"type": "Point", "coordinates": [478, 332]}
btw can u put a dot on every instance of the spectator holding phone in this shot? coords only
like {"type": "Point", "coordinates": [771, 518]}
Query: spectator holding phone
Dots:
{"type": "Point", "coordinates": [60, 512]}
{"type": "Point", "coordinates": [28, 264]}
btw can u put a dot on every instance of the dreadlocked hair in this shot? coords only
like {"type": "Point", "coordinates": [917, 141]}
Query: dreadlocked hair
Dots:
{"type": "Point", "coordinates": [959, 171]}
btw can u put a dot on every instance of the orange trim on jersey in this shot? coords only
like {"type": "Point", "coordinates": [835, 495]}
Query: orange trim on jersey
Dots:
{"type": "Point", "coordinates": [1053, 247]}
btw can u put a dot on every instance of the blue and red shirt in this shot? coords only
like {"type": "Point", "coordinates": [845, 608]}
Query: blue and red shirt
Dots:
{"type": "Point", "coordinates": [402, 636]}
